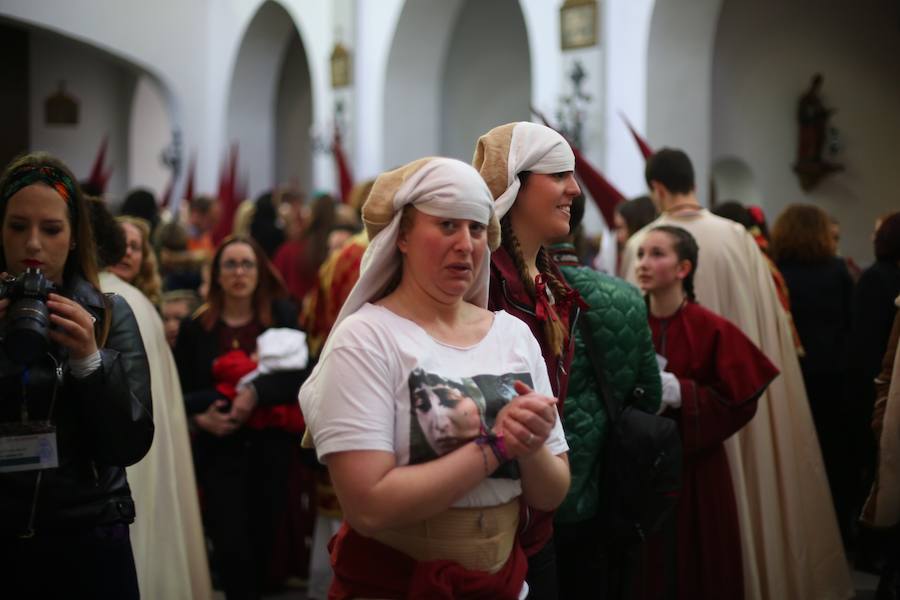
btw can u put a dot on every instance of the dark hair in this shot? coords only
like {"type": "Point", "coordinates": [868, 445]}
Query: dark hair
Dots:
{"type": "Point", "coordinates": [141, 203]}
{"type": "Point", "coordinates": [734, 211]}
{"type": "Point", "coordinates": [269, 285]}
{"type": "Point", "coordinates": [673, 169]}
{"type": "Point", "coordinates": [172, 236]}
{"type": "Point", "coordinates": [576, 213]}
{"type": "Point", "coordinates": [264, 225]}
{"type": "Point", "coordinates": [802, 233]}
{"type": "Point", "coordinates": [82, 261]}
{"type": "Point", "coordinates": [887, 239]}
{"type": "Point", "coordinates": [202, 204]}
{"type": "Point", "coordinates": [637, 213]}
{"type": "Point", "coordinates": [90, 188]}
{"type": "Point", "coordinates": [686, 248]}
{"type": "Point", "coordinates": [107, 232]}
{"type": "Point", "coordinates": [316, 235]}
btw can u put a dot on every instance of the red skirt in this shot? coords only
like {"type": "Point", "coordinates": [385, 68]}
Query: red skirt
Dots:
{"type": "Point", "coordinates": [365, 568]}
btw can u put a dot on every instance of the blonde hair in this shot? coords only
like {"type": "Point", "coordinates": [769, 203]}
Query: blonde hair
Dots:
{"type": "Point", "coordinates": [147, 279]}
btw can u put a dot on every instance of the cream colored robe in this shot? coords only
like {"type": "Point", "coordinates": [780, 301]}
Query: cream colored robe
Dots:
{"type": "Point", "coordinates": [791, 544]}
{"type": "Point", "coordinates": [882, 508]}
{"type": "Point", "coordinates": [167, 534]}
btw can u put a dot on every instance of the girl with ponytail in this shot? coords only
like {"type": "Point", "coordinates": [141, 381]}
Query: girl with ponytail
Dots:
{"type": "Point", "coordinates": [713, 376]}
{"type": "Point", "coordinates": [529, 170]}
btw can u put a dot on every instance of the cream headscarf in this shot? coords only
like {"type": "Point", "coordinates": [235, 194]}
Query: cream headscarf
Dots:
{"type": "Point", "coordinates": [440, 187]}
{"type": "Point", "coordinates": [505, 151]}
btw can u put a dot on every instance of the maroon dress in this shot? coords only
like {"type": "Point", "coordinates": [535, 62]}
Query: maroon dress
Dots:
{"type": "Point", "coordinates": [722, 375]}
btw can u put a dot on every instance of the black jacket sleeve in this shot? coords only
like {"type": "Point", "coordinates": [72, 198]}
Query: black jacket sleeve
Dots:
{"type": "Point", "coordinates": [115, 400]}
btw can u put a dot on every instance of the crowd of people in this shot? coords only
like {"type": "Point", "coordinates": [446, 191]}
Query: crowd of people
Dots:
{"type": "Point", "coordinates": [428, 392]}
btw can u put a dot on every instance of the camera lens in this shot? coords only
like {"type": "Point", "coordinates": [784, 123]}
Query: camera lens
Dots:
{"type": "Point", "coordinates": [26, 333]}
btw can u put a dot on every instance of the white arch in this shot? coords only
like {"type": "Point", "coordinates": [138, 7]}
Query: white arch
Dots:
{"type": "Point", "coordinates": [421, 31]}
{"type": "Point", "coordinates": [268, 44]}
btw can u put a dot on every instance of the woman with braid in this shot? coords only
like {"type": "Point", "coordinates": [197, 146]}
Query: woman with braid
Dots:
{"type": "Point", "coordinates": [717, 375]}
{"type": "Point", "coordinates": [529, 170]}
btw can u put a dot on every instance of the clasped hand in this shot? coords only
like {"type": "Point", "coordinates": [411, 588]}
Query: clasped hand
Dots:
{"type": "Point", "coordinates": [526, 422]}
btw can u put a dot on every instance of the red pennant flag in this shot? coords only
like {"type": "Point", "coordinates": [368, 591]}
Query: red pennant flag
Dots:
{"type": "Point", "coordinates": [228, 198]}
{"type": "Point", "coordinates": [98, 177]}
{"type": "Point", "coordinates": [167, 194]}
{"type": "Point", "coordinates": [643, 146]}
{"type": "Point", "coordinates": [189, 186]}
{"type": "Point", "coordinates": [604, 194]}
{"type": "Point", "coordinates": [345, 177]}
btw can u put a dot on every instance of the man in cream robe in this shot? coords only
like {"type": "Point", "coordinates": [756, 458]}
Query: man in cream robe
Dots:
{"type": "Point", "coordinates": [167, 533]}
{"type": "Point", "coordinates": [791, 544]}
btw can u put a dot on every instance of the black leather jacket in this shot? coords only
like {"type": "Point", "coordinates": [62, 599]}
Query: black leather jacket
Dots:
{"type": "Point", "coordinates": [104, 423]}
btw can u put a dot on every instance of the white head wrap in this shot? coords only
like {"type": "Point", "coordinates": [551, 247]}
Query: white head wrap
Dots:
{"type": "Point", "coordinates": [505, 151]}
{"type": "Point", "coordinates": [440, 187]}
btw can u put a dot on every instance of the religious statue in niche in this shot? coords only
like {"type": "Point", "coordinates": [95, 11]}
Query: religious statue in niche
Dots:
{"type": "Point", "coordinates": [815, 137]}
{"type": "Point", "coordinates": [571, 114]}
{"type": "Point", "coordinates": [61, 108]}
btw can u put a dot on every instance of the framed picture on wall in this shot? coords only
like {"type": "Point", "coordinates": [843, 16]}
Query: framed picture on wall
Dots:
{"type": "Point", "coordinates": [578, 24]}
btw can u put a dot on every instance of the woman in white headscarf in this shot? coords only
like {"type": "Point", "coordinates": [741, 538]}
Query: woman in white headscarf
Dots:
{"type": "Point", "coordinates": [529, 169]}
{"type": "Point", "coordinates": [433, 414]}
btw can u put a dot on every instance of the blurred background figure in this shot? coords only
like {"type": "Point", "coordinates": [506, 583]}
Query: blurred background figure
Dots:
{"type": "Point", "coordinates": [177, 305]}
{"type": "Point", "coordinates": [167, 533]}
{"type": "Point", "coordinates": [821, 291]}
{"type": "Point", "coordinates": [138, 264]}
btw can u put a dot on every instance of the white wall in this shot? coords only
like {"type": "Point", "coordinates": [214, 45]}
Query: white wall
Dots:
{"type": "Point", "coordinates": [486, 77]}
{"type": "Point", "coordinates": [412, 84]}
{"type": "Point", "coordinates": [149, 133]}
{"type": "Point", "coordinates": [679, 80]}
{"type": "Point", "coordinates": [756, 87]}
{"type": "Point", "coordinates": [103, 87]}
{"type": "Point", "coordinates": [293, 119]}
{"type": "Point", "coordinates": [626, 32]}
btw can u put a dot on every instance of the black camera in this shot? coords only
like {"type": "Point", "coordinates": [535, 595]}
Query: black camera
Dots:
{"type": "Point", "coordinates": [27, 318]}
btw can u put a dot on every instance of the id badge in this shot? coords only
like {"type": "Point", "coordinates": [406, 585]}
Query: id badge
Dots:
{"type": "Point", "coordinates": [27, 447]}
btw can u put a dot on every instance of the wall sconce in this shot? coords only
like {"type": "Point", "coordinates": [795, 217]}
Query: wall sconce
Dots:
{"type": "Point", "coordinates": [340, 66]}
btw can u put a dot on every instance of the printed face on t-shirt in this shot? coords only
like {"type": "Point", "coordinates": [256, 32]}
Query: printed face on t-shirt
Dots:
{"type": "Point", "coordinates": [448, 413]}
{"type": "Point", "coordinates": [447, 416]}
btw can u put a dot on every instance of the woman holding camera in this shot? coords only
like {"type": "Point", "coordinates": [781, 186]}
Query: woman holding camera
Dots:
{"type": "Point", "coordinates": [74, 412]}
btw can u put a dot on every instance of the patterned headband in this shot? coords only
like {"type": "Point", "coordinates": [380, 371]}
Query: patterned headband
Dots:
{"type": "Point", "coordinates": [49, 175]}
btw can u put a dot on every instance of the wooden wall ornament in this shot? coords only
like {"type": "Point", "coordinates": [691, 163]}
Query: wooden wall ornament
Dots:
{"type": "Point", "coordinates": [814, 137]}
{"type": "Point", "coordinates": [61, 108]}
{"type": "Point", "coordinates": [578, 24]}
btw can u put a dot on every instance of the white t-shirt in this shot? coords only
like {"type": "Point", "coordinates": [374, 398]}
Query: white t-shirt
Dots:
{"type": "Point", "coordinates": [390, 386]}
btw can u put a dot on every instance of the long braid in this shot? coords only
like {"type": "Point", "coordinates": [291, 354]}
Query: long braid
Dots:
{"type": "Point", "coordinates": [511, 244]}
{"type": "Point", "coordinates": [554, 330]}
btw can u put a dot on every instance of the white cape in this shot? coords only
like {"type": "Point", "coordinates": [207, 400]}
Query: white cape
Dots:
{"type": "Point", "coordinates": [791, 544]}
{"type": "Point", "coordinates": [167, 533]}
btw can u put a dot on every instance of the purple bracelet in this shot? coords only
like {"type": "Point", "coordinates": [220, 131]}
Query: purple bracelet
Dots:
{"type": "Point", "coordinates": [495, 442]}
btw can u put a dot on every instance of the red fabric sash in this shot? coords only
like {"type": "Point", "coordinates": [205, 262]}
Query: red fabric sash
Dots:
{"type": "Point", "coordinates": [365, 568]}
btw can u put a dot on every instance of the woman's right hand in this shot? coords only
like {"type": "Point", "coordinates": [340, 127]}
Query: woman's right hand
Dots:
{"type": "Point", "coordinates": [526, 422]}
{"type": "Point", "coordinates": [216, 422]}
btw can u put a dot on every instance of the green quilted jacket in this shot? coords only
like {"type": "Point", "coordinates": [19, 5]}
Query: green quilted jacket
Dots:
{"type": "Point", "coordinates": [618, 319]}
